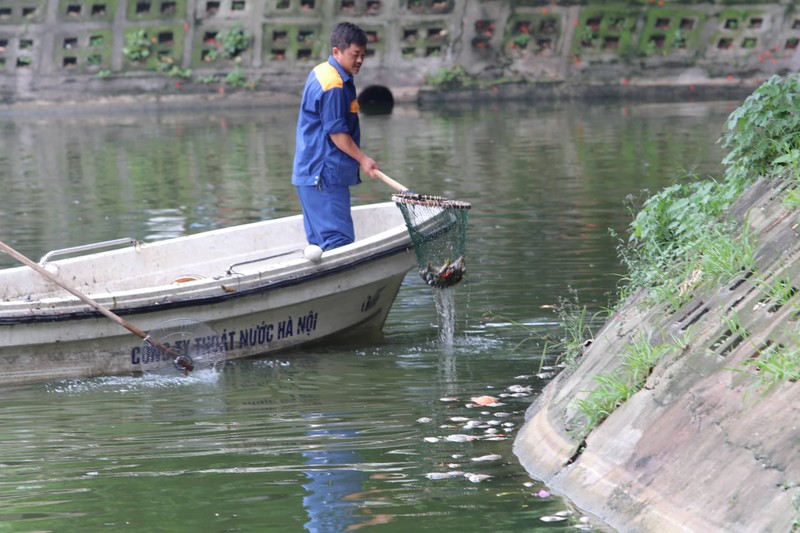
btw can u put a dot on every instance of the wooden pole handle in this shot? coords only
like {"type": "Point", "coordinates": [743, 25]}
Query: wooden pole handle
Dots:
{"type": "Point", "coordinates": [75, 292]}
{"type": "Point", "coordinates": [390, 182]}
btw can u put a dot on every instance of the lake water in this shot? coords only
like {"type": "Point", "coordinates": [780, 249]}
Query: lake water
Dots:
{"type": "Point", "coordinates": [381, 436]}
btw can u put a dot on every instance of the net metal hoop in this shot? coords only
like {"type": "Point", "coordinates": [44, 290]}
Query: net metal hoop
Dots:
{"type": "Point", "coordinates": [429, 201]}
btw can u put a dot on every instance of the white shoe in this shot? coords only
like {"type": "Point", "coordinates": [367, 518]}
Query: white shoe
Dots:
{"type": "Point", "coordinates": [312, 252]}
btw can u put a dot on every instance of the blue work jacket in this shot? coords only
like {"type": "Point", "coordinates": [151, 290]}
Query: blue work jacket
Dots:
{"type": "Point", "coordinates": [329, 106]}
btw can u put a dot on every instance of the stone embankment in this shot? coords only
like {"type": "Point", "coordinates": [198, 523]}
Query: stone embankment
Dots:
{"type": "Point", "coordinates": [67, 51]}
{"type": "Point", "coordinates": [706, 445]}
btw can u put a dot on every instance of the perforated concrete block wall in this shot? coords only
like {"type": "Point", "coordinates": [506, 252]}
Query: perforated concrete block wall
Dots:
{"type": "Point", "coordinates": [526, 40]}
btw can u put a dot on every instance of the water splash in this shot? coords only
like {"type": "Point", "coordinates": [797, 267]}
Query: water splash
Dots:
{"type": "Point", "coordinates": [446, 310]}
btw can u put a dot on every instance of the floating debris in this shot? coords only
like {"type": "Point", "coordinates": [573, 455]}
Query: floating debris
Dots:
{"type": "Point", "coordinates": [542, 494]}
{"type": "Point", "coordinates": [431, 439]}
{"type": "Point", "coordinates": [490, 457]}
{"type": "Point", "coordinates": [459, 437]}
{"type": "Point", "coordinates": [444, 475]}
{"type": "Point", "coordinates": [519, 388]}
{"type": "Point", "coordinates": [489, 401]}
{"type": "Point", "coordinates": [477, 478]}
{"type": "Point", "coordinates": [553, 518]}
{"type": "Point", "coordinates": [424, 420]}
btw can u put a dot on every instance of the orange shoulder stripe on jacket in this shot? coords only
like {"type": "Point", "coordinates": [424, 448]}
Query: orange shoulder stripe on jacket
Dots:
{"type": "Point", "coordinates": [327, 76]}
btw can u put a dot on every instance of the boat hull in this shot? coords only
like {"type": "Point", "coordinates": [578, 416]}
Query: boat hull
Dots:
{"type": "Point", "coordinates": [279, 302]}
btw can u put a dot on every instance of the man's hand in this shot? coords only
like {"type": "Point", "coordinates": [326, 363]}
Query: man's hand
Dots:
{"type": "Point", "coordinates": [346, 144]}
{"type": "Point", "coordinates": [369, 165]}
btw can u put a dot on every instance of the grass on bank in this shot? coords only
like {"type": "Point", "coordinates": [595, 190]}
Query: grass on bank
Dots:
{"type": "Point", "coordinates": [680, 239]}
{"type": "Point", "coordinates": [615, 388]}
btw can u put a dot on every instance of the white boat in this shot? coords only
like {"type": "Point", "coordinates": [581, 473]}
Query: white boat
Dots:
{"type": "Point", "coordinates": [250, 284]}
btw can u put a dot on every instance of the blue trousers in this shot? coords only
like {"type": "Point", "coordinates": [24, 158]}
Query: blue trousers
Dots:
{"type": "Point", "coordinates": [326, 215]}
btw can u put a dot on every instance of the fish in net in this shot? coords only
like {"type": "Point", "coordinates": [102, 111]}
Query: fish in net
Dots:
{"type": "Point", "coordinates": [438, 229]}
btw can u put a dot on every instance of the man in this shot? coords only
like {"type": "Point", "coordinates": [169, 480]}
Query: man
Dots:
{"type": "Point", "coordinates": [327, 153]}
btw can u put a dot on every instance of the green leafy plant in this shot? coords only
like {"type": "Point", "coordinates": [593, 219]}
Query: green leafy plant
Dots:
{"type": "Point", "coordinates": [521, 40]}
{"type": "Point", "coordinates": [673, 226]}
{"type": "Point", "coordinates": [208, 80]}
{"type": "Point", "coordinates": [211, 55]}
{"type": "Point", "coordinates": [137, 46]}
{"type": "Point", "coordinates": [238, 77]}
{"type": "Point", "coordinates": [789, 147]}
{"type": "Point", "coordinates": [448, 77]}
{"type": "Point", "coordinates": [761, 128]}
{"type": "Point", "coordinates": [233, 42]}
{"type": "Point", "coordinates": [167, 65]}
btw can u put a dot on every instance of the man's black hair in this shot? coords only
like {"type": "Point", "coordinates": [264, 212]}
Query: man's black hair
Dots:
{"type": "Point", "coordinates": [347, 33]}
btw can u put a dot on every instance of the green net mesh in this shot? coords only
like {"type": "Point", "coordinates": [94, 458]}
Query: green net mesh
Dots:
{"type": "Point", "coordinates": [438, 229]}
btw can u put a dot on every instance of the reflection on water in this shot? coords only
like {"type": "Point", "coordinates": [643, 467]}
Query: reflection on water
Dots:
{"type": "Point", "coordinates": [334, 479]}
{"type": "Point", "coordinates": [343, 436]}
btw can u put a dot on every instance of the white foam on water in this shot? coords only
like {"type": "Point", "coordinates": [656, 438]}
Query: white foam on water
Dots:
{"type": "Point", "coordinates": [130, 383]}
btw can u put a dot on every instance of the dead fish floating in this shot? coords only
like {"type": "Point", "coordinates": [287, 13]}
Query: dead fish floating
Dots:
{"type": "Point", "coordinates": [447, 275]}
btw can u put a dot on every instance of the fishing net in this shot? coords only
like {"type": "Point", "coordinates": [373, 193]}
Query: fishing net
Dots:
{"type": "Point", "coordinates": [182, 345]}
{"type": "Point", "coordinates": [438, 229]}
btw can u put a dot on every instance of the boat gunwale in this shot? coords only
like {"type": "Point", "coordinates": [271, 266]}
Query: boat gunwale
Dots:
{"type": "Point", "coordinates": [59, 315]}
{"type": "Point", "coordinates": [391, 241]}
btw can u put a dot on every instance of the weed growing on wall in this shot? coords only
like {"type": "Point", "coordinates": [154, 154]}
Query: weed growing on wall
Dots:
{"type": "Point", "coordinates": [449, 78]}
{"type": "Point", "coordinates": [233, 42]}
{"type": "Point", "coordinates": [615, 388]}
{"type": "Point", "coordinates": [762, 136]}
{"type": "Point", "coordinates": [679, 237]}
{"type": "Point", "coordinates": [682, 222]}
{"type": "Point", "coordinates": [137, 46]}
{"type": "Point", "coordinates": [775, 363]}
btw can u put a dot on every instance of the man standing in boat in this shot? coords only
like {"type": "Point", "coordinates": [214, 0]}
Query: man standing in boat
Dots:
{"type": "Point", "coordinates": [327, 153]}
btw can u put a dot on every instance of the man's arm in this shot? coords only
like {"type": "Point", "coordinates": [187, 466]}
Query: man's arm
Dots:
{"type": "Point", "coordinates": [346, 144]}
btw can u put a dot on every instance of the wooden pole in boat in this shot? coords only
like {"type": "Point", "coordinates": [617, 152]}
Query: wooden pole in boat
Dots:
{"type": "Point", "coordinates": [184, 362]}
{"type": "Point", "coordinates": [75, 292]}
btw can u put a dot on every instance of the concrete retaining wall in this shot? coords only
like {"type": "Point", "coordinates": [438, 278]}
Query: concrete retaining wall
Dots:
{"type": "Point", "coordinates": [702, 447]}
{"type": "Point", "coordinates": [72, 49]}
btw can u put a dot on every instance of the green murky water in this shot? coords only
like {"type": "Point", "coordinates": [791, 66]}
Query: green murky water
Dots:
{"type": "Point", "coordinates": [381, 436]}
